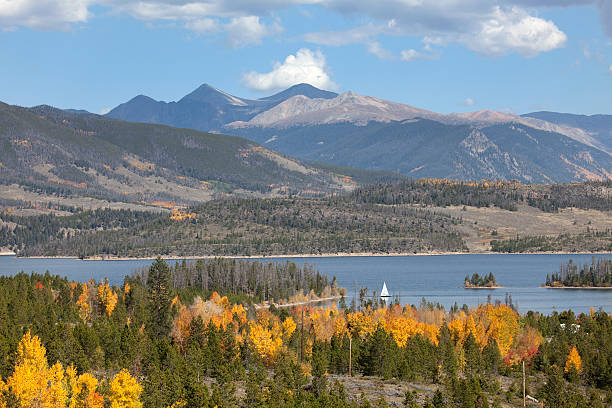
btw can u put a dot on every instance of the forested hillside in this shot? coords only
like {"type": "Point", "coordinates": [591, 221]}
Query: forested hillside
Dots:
{"type": "Point", "coordinates": [59, 154]}
{"type": "Point", "coordinates": [485, 193]}
{"type": "Point", "coordinates": [265, 227]}
{"type": "Point", "coordinates": [405, 217]}
{"type": "Point", "coordinates": [152, 343]}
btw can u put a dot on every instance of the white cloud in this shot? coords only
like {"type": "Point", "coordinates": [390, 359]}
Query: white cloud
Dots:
{"type": "Point", "coordinates": [203, 25]}
{"type": "Point", "coordinates": [610, 70]}
{"type": "Point", "coordinates": [305, 66]}
{"type": "Point", "coordinates": [414, 55]}
{"type": "Point", "coordinates": [514, 30]}
{"type": "Point", "coordinates": [105, 111]}
{"type": "Point", "coordinates": [42, 14]}
{"type": "Point", "coordinates": [469, 102]}
{"type": "Point", "coordinates": [375, 48]}
{"type": "Point", "coordinates": [247, 30]}
{"type": "Point", "coordinates": [489, 27]}
{"type": "Point", "coordinates": [479, 24]}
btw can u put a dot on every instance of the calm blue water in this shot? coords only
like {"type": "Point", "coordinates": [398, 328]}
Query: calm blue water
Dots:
{"type": "Point", "coordinates": [437, 278]}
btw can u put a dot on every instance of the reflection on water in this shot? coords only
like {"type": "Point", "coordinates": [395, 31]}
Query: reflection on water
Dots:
{"type": "Point", "coordinates": [436, 278]}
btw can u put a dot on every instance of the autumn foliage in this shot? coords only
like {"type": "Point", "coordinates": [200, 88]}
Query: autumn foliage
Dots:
{"type": "Point", "coordinates": [107, 298]}
{"type": "Point", "coordinates": [526, 346]}
{"type": "Point", "coordinates": [35, 383]}
{"type": "Point", "coordinates": [573, 361]}
{"type": "Point", "coordinates": [125, 391]}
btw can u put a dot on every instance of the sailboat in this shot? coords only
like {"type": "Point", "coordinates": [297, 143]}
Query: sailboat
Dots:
{"type": "Point", "coordinates": [384, 293]}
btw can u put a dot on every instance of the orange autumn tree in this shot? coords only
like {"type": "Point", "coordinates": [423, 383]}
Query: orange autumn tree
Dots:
{"type": "Point", "coordinates": [526, 346]}
{"type": "Point", "coordinates": [125, 391]}
{"type": "Point", "coordinates": [573, 361]}
{"type": "Point", "coordinates": [217, 310]}
{"type": "Point", "coordinates": [33, 382]}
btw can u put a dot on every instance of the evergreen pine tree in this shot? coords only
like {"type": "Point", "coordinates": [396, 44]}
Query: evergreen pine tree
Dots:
{"type": "Point", "coordinates": [159, 290]}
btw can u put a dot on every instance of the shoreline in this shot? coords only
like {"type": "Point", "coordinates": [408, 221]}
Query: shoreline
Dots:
{"type": "Point", "coordinates": [484, 287]}
{"type": "Point", "coordinates": [578, 287]}
{"type": "Point", "coordinates": [281, 256]}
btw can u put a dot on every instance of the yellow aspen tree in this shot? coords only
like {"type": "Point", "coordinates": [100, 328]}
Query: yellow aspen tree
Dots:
{"type": "Point", "coordinates": [125, 391]}
{"type": "Point", "coordinates": [360, 323]}
{"type": "Point", "coordinates": [431, 332]}
{"type": "Point", "coordinates": [83, 303]}
{"type": "Point", "coordinates": [262, 340]}
{"type": "Point", "coordinates": [107, 298]}
{"type": "Point", "coordinates": [239, 313]}
{"type": "Point", "coordinates": [573, 360]}
{"type": "Point", "coordinates": [33, 382]}
{"type": "Point", "coordinates": [3, 389]}
{"type": "Point", "coordinates": [56, 394]}
{"type": "Point", "coordinates": [503, 326]}
{"type": "Point", "coordinates": [84, 394]}
{"type": "Point", "coordinates": [288, 328]}
{"type": "Point", "coordinates": [457, 329]}
{"type": "Point", "coordinates": [71, 379]}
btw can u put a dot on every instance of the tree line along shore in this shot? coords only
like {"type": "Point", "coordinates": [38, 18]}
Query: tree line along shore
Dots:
{"type": "Point", "coordinates": [596, 275]}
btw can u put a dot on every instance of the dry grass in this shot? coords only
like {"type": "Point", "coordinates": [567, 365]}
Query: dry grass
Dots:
{"type": "Point", "coordinates": [479, 224]}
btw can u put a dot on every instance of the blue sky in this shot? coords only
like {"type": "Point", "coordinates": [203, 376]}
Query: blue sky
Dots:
{"type": "Point", "coordinates": [442, 55]}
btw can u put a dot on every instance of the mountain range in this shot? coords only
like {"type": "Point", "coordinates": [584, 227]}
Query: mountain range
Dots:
{"type": "Point", "coordinates": [371, 133]}
{"type": "Point", "coordinates": [207, 108]}
{"type": "Point", "coordinates": [49, 152]}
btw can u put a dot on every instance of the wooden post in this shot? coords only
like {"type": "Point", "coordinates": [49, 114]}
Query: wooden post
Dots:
{"type": "Point", "coordinates": [302, 338]}
{"type": "Point", "coordinates": [350, 354]}
{"type": "Point", "coordinates": [524, 397]}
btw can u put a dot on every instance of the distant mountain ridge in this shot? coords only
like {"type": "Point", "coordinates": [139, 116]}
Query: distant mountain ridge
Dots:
{"type": "Point", "coordinates": [207, 108]}
{"type": "Point", "coordinates": [598, 126]}
{"type": "Point", "coordinates": [426, 148]}
{"type": "Point", "coordinates": [377, 134]}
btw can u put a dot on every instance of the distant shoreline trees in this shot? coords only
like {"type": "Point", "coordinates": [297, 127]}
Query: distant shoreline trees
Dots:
{"type": "Point", "coordinates": [477, 281]}
{"type": "Point", "coordinates": [598, 274]}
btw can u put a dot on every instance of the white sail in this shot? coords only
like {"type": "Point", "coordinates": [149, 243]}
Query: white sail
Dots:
{"type": "Point", "coordinates": [384, 293]}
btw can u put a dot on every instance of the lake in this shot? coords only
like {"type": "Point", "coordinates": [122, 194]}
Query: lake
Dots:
{"type": "Point", "coordinates": [437, 278]}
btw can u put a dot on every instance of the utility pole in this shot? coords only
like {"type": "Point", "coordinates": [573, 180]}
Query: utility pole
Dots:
{"type": "Point", "coordinates": [302, 338]}
{"type": "Point", "coordinates": [524, 397]}
{"type": "Point", "coordinates": [355, 296]}
{"type": "Point", "coordinates": [350, 354]}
